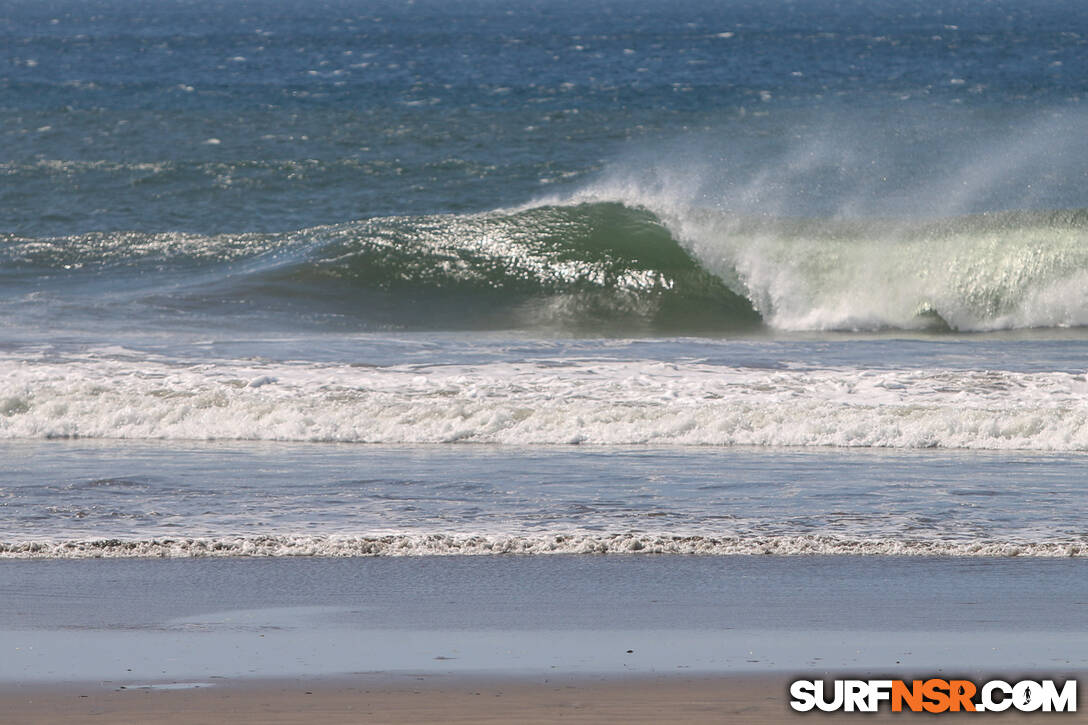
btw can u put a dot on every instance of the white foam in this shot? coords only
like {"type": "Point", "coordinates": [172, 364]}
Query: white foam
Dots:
{"type": "Point", "coordinates": [1021, 277]}
{"type": "Point", "coordinates": [537, 544]}
{"type": "Point", "coordinates": [870, 256]}
{"type": "Point", "coordinates": [596, 402]}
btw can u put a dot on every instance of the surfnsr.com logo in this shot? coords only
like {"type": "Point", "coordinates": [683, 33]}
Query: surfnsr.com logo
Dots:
{"type": "Point", "coordinates": [933, 696]}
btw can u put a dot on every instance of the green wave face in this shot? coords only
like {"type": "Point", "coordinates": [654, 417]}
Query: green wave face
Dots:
{"type": "Point", "coordinates": [596, 268]}
{"type": "Point", "coordinates": [584, 268]}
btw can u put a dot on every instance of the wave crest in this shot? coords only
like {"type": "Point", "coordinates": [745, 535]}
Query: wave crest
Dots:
{"type": "Point", "coordinates": [597, 265]}
{"type": "Point", "coordinates": [972, 273]}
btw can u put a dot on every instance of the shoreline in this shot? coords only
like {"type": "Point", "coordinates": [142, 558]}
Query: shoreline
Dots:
{"type": "Point", "coordinates": [416, 698]}
{"type": "Point", "coordinates": [146, 621]}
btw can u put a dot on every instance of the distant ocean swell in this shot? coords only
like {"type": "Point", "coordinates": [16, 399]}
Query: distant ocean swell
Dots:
{"type": "Point", "coordinates": [596, 266]}
{"type": "Point", "coordinates": [593, 402]}
{"type": "Point", "coordinates": [500, 544]}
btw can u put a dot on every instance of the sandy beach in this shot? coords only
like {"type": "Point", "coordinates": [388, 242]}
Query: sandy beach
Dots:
{"type": "Point", "coordinates": [412, 700]}
{"type": "Point", "coordinates": [423, 699]}
{"type": "Point", "coordinates": [518, 639]}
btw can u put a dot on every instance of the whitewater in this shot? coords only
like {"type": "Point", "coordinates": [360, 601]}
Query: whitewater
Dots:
{"type": "Point", "coordinates": [543, 402]}
{"type": "Point", "coordinates": [639, 278]}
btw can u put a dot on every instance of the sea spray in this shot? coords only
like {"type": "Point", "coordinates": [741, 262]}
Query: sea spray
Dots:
{"type": "Point", "coordinates": [839, 224]}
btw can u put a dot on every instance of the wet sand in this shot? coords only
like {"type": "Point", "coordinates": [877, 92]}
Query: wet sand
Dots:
{"type": "Point", "coordinates": [436, 699]}
{"type": "Point", "coordinates": [516, 640]}
{"type": "Point", "coordinates": [190, 620]}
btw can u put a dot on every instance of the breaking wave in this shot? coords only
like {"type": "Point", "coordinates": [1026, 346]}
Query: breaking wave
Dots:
{"type": "Point", "coordinates": [592, 402]}
{"type": "Point", "coordinates": [597, 265]}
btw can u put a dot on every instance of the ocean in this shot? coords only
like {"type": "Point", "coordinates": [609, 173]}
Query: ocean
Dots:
{"type": "Point", "coordinates": [635, 277]}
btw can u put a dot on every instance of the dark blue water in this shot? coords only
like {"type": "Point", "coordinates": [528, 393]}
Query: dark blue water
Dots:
{"type": "Point", "coordinates": [329, 112]}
